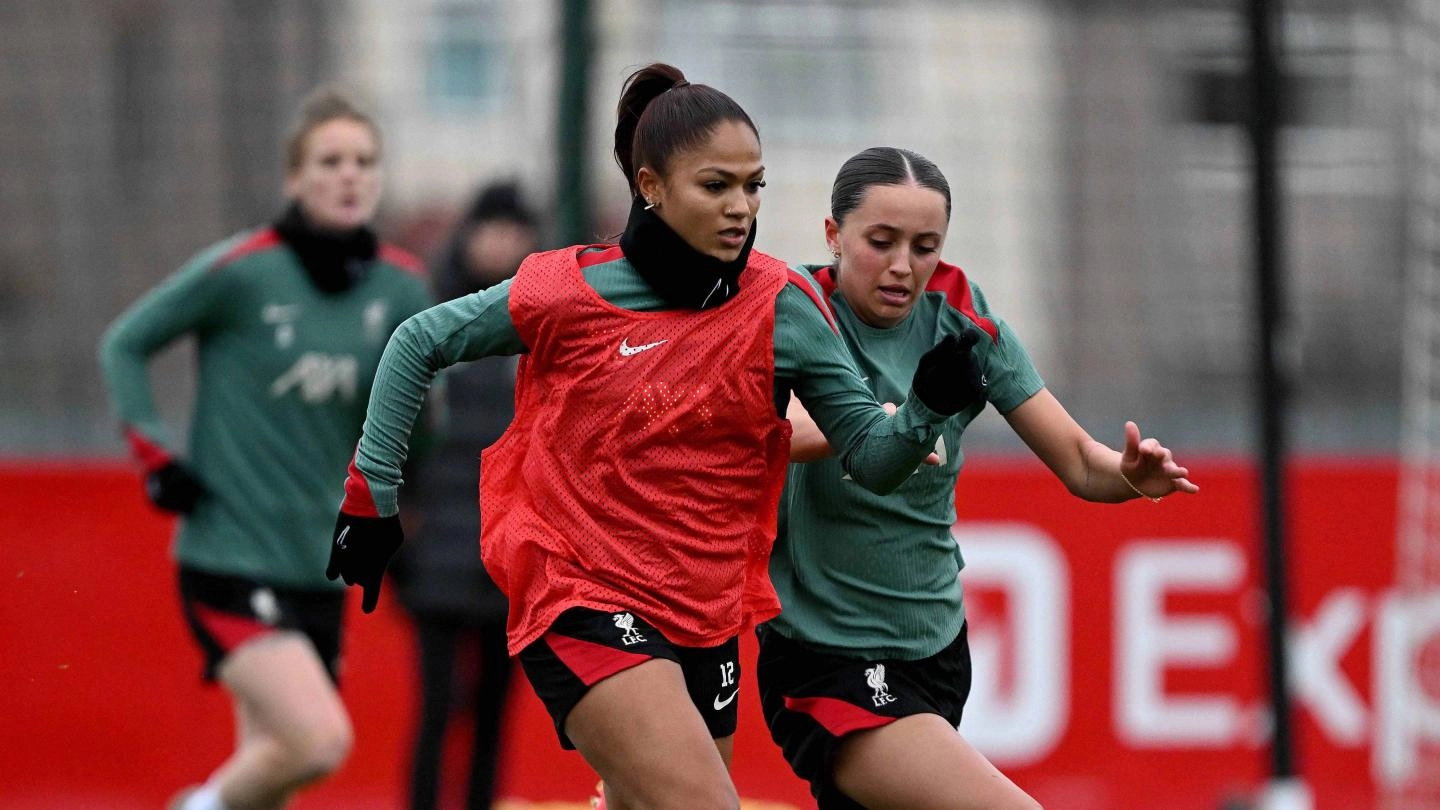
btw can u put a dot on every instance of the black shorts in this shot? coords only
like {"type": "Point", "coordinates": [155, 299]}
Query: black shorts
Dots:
{"type": "Point", "coordinates": [584, 647]}
{"type": "Point", "coordinates": [811, 700]}
{"type": "Point", "coordinates": [224, 612]}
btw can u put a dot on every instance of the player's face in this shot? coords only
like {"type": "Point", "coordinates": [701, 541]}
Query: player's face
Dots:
{"type": "Point", "coordinates": [338, 180]}
{"type": "Point", "coordinates": [494, 250]}
{"type": "Point", "coordinates": [889, 247]}
{"type": "Point", "coordinates": [710, 194]}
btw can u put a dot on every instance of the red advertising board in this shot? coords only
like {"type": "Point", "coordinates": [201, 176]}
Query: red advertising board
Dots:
{"type": "Point", "coordinates": [1122, 646]}
{"type": "Point", "coordinates": [1118, 651]}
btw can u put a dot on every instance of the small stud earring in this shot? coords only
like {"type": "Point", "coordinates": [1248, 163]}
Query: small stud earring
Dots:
{"type": "Point", "coordinates": [651, 205]}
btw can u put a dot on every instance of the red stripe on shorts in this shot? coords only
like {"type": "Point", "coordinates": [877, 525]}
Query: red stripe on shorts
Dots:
{"type": "Point", "coordinates": [589, 661]}
{"type": "Point", "coordinates": [838, 717]}
{"type": "Point", "coordinates": [229, 629]}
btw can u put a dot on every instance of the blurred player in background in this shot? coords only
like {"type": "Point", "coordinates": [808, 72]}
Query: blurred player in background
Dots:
{"type": "Point", "coordinates": [459, 613]}
{"type": "Point", "coordinates": [630, 508]}
{"type": "Point", "coordinates": [290, 320]}
{"type": "Point", "coordinates": [864, 674]}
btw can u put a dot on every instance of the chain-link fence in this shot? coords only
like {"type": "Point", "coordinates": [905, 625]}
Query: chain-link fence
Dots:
{"type": "Point", "coordinates": [1096, 150]}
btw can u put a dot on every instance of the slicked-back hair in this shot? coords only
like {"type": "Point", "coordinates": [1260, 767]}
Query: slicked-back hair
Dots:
{"type": "Point", "coordinates": [883, 166]}
{"type": "Point", "coordinates": [661, 114]}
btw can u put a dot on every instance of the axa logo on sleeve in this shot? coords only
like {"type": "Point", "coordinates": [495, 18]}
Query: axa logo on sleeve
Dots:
{"type": "Point", "coordinates": [1176, 677]}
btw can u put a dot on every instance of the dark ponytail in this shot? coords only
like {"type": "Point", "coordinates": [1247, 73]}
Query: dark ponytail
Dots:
{"type": "Point", "coordinates": [883, 166]}
{"type": "Point", "coordinates": [660, 114]}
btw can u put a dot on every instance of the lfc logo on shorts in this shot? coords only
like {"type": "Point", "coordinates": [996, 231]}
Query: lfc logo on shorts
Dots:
{"type": "Point", "coordinates": [626, 622]}
{"type": "Point", "coordinates": [265, 606]}
{"type": "Point", "coordinates": [875, 679]}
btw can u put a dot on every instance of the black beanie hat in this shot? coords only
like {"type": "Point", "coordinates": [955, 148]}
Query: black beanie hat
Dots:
{"type": "Point", "coordinates": [500, 201]}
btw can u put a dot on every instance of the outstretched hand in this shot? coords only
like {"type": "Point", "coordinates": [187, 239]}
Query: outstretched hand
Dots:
{"type": "Point", "coordinates": [1150, 467]}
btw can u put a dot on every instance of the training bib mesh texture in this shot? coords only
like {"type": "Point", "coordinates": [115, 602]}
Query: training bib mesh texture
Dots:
{"type": "Point", "coordinates": [644, 466]}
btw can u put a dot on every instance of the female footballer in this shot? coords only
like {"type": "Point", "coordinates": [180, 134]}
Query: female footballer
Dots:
{"type": "Point", "coordinates": [289, 321]}
{"type": "Point", "coordinates": [864, 674]}
{"type": "Point", "coordinates": [630, 507]}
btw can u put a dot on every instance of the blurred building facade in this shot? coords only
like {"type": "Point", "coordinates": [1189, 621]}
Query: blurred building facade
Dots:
{"type": "Point", "coordinates": [1096, 151]}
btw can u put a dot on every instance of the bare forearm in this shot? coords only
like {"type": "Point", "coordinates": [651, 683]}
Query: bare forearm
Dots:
{"type": "Point", "coordinates": [807, 443]}
{"type": "Point", "coordinates": [1100, 481]}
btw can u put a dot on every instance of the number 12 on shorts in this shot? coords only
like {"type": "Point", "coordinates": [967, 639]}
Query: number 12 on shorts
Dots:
{"type": "Point", "coordinates": [727, 674]}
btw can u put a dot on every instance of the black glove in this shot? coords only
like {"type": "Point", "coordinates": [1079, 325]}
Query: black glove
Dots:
{"type": "Point", "coordinates": [173, 488]}
{"type": "Point", "coordinates": [949, 378]}
{"type": "Point", "coordinates": [362, 547]}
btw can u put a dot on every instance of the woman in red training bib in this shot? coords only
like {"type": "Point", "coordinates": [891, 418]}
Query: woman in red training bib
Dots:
{"type": "Point", "coordinates": [630, 508]}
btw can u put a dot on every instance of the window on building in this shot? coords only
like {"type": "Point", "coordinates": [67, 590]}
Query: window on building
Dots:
{"type": "Point", "coordinates": [802, 67]}
{"type": "Point", "coordinates": [467, 55]}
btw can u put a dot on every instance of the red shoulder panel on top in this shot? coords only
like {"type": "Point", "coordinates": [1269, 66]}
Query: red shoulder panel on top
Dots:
{"type": "Point", "coordinates": [605, 253]}
{"type": "Point", "coordinates": [401, 258]}
{"type": "Point", "coordinates": [825, 276]}
{"type": "Point", "coordinates": [798, 279]}
{"type": "Point", "coordinates": [951, 280]}
{"type": "Point", "coordinates": [263, 239]}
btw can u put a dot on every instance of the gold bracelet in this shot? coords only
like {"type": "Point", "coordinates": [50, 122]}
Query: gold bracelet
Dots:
{"type": "Point", "coordinates": [1136, 489]}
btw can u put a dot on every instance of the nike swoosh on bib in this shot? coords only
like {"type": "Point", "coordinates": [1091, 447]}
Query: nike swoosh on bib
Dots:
{"type": "Point", "coordinates": [626, 350]}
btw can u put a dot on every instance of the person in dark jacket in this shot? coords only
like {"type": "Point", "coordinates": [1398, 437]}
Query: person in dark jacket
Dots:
{"type": "Point", "coordinates": [458, 612]}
